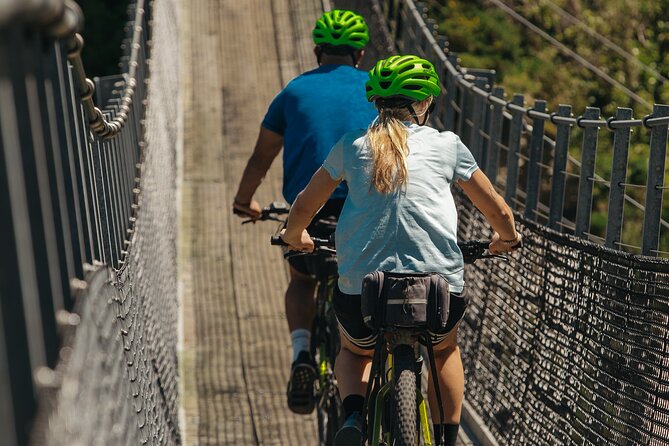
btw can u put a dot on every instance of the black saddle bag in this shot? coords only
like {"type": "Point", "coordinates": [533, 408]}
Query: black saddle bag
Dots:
{"type": "Point", "coordinates": [407, 300]}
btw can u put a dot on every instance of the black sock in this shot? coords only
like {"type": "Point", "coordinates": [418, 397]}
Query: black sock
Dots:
{"type": "Point", "coordinates": [353, 403]}
{"type": "Point", "coordinates": [450, 433]}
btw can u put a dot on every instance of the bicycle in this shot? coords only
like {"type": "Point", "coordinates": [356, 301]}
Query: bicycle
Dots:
{"type": "Point", "coordinates": [322, 264]}
{"type": "Point", "coordinates": [394, 405]}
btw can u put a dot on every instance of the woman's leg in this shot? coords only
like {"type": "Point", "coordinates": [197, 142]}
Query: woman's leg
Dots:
{"type": "Point", "coordinates": [451, 385]}
{"type": "Point", "coordinates": [451, 379]}
{"type": "Point", "coordinates": [352, 368]}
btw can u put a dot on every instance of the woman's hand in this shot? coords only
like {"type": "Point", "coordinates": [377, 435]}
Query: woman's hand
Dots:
{"type": "Point", "coordinates": [298, 242]}
{"type": "Point", "coordinates": [499, 246]}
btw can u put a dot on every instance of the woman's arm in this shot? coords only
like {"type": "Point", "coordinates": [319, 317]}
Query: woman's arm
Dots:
{"type": "Point", "coordinates": [496, 211]}
{"type": "Point", "coordinates": [305, 207]}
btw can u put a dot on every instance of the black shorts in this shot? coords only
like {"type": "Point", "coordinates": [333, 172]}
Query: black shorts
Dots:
{"type": "Point", "coordinates": [349, 315]}
{"type": "Point", "coordinates": [331, 209]}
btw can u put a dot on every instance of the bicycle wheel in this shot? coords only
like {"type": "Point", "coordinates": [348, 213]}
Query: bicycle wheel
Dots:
{"type": "Point", "coordinates": [404, 432]}
{"type": "Point", "coordinates": [330, 416]}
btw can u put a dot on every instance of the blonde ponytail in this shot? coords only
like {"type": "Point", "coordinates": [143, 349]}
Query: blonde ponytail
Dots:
{"type": "Point", "coordinates": [387, 139]}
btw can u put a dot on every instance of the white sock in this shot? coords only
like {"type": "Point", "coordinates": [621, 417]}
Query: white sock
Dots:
{"type": "Point", "coordinates": [301, 341]}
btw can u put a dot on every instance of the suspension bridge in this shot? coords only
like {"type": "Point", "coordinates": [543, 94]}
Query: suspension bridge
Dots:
{"type": "Point", "coordinates": [134, 309]}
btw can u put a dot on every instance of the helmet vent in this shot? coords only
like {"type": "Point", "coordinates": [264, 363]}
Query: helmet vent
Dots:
{"type": "Point", "coordinates": [412, 87]}
{"type": "Point", "coordinates": [385, 84]}
{"type": "Point", "coordinates": [385, 73]}
{"type": "Point", "coordinates": [405, 69]}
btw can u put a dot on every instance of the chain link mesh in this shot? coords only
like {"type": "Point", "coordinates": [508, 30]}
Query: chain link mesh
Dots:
{"type": "Point", "coordinates": [567, 343]}
{"type": "Point", "coordinates": [117, 380]}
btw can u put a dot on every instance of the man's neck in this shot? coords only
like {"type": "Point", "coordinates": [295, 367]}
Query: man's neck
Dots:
{"type": "Point", "coordinates": [329, 60]}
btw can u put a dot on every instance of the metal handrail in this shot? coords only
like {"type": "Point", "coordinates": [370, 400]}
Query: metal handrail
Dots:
{"type": "Point", "coordinates": [63, 19]}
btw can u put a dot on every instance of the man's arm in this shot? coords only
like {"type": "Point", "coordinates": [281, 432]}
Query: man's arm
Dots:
{"type": "Point", "coordinates": [267, 148]}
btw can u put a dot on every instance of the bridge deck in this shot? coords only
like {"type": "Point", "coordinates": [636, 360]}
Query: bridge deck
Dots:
{"type": "Point", "coordinates": [235, 352]}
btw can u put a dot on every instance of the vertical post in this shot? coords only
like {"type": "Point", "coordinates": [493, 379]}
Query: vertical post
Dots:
{"type": "Point", "coordinates": [56, 210]}
{"type": "Point", "coordinates": [34, 184]}
{"type": "Point", "coordinates": [559, 168]}
{"type": "Point", "coordinates": [7, 421]}
{"type": "Point", "coordinates": [586, 180]}
{"type": "Point", "coordinates": [655, 183]}
{"type": "Point", "coordinates": [514, 149]}
{"type": "Point", "coordinates": [399, 23]}
{"type": "Point", "coordinates": [621, 143]}
{"type": "Point", "coordinates": [534, 170]}
{"type": "Point", "coordinates": [478, 120]}
{"type": "Point", "coordinates": [66, 143]}
{"type": "Point", "coordinates": [102, 206]}
{"type": "Point", "coordinates": [494, 136]}
{"type": "Point", "coordinates": [463, 99]}
{"type": "Point", "coordinates": [20, 314]}
{"type": "Point", "coordinates": [451, 88]}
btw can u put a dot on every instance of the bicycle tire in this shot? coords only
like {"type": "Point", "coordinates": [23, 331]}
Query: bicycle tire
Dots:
{"type": "Point", "coordinates": [330, 418]}
{"type": "Point", "coordinates": [330, 412]}
{"type": "Point", "coordinates": [404, 431]}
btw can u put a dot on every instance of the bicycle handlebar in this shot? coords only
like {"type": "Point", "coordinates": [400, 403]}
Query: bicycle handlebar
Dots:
{"type": "Point", "coordinates": [318, 242]}
{"type": "Point", "coordinates": [270, 212]}
{"type": "Point", "coordinates": [472, 250]}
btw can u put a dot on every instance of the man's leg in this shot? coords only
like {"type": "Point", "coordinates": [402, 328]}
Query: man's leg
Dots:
{"type": "Point", "coordinates": [451, 385]}
{"type": "Point", "coordinates": [300, 307]}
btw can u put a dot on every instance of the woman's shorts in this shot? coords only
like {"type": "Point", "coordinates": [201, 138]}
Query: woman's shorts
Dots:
{"type": "Point", "coordinates": [349, 315]}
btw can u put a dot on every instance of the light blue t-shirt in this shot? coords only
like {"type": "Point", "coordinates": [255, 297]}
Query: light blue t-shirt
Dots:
{"type": "Point", "coordinates": [312, 113]}
{"type": "Point", "coordinates": [412, 230]}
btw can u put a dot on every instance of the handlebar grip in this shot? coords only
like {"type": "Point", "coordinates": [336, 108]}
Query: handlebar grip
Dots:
{"type": "Point", "coordinates": [277, 241]}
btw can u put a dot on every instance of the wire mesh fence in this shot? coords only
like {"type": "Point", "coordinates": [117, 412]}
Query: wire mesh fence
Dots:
{"type": "Point", "coordinates": [567, 343]}
{"type": "Point", "coordinates": [88, 303]}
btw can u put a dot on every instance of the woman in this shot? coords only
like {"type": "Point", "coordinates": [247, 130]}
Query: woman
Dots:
{"type": "Point", "coordinates": [399, 216]}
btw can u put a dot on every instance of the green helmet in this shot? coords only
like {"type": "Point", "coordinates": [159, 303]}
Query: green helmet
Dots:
{"type": "Point", "coordinates": [340, 27]}
{"type": "Point", "coordinates": [409, 77]}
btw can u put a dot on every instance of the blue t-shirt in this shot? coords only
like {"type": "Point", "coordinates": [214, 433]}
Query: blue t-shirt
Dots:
{"type": "Point", "coordinates": [411, 230]}
{"type": "Point", "coordinates": [312, 113]}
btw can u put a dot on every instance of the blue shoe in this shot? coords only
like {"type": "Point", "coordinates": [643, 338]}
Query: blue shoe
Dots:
{"type": "Point", "coordinates": [351, 433]}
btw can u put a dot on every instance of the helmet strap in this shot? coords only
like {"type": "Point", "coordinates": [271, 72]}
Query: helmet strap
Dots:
{"type": "Point", "coordinates": [425, 115]}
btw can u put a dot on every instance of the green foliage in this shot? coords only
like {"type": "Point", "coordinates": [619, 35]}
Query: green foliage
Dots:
{"type": "Point", "coordinates": [486, 37]}
{"type": "Point", "coordinates": [103, 34]}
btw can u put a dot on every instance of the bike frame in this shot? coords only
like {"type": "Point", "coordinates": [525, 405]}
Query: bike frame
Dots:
{"type": "Point", "coordinates": [381, 396]}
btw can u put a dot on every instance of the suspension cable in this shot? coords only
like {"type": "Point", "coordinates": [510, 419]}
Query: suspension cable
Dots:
{"type": "Point", "coordinates": [569, 52]}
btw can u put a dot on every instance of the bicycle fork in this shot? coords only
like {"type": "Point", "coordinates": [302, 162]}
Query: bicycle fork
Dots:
{"type": "Point", "coordinates": [382, 395]}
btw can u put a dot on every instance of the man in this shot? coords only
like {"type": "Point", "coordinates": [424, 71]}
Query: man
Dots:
{"type": "Point", "coordinates": [307, 118]}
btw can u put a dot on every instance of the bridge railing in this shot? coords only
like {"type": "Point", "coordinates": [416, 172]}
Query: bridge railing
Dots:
{"type": "Point", "coordinates": [528, 152]}
{"type": "Point", "coordinates": [567, 342]}
{"type": "Point", "coordinates": [69, 183]}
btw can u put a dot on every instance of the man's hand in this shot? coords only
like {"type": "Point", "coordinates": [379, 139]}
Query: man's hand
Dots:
{"type": "Point", "coordinates": [246, 210]}
{"type": "Point", "coordinates": [298, 242]}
